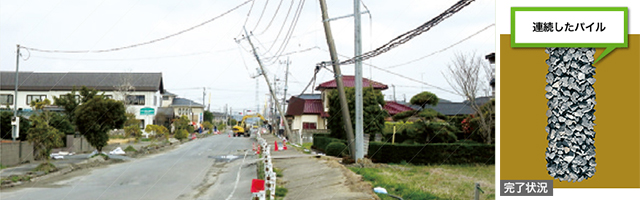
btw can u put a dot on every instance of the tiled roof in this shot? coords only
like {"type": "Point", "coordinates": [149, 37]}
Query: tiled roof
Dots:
{"type": "Point", "coordinates": [394, 108]}
{"type": "Point", "coordinates": [349, 81]}
{"type": "Point", "coordinates": [313, 106]}
{"type": "Point", "coordinates": [48, 81]}
{"type": "Point", "coordinates": [185, 102]}
{"type": "Point", "coordinates": [299, 106]}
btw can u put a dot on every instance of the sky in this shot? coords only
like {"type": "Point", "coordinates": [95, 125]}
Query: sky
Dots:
{"type": "Point", "coordinates": [216, 56]}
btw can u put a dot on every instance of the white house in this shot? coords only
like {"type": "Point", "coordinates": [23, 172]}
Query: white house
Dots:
{"type": "Point", "coordinates": [141, 92]}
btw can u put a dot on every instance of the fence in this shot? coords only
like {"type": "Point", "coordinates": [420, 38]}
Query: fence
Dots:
{"type": "Point", "coordinates": [300, 136]}
{"type": "Point", "coordinates": [14, 153]}
{"type": "Point", "coordinates": [78, 144]}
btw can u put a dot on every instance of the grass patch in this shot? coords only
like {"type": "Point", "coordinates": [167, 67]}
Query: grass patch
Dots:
{"type": "Point", "coordinates": [46, 167]}
{"type": "Point", "coordinates": [130, 149]}
{"type": "Point", "coordinates": [2, 166]}
{"type": "Point", "coordinates": [105, 156]}
{"type": "Point", "coordinates": [431, 181]}
{"type": "Point", "coordinates": [278, 172]}
{"type": "Point", "coordinates": [304, 146]}
{"type": "Point", "coordinates": [145, 139]}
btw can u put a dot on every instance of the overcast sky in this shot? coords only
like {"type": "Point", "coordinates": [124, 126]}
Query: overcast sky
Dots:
{"type": "Point", "coordinates": [208, 56]}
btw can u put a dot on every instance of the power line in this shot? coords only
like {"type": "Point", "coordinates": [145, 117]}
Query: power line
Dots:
{"type": "Point", "coordinates": [282, 27]}
{"type": "Point", "coordinates": [405, 37]}
{"type": "Point", "coordinates": [397, 74]}
{"type": "Point", "coordinates": [143, 43]}
{"type": "Point", "coordinates": [272, 18]}
{"type": "Point", "coordinates": [249, 13]}
{"type": "Point", "coordinates": [261, 14]}
{"type": "Point", "coordinates": [134, 59]}
{"type": "Point", "coordinates": [292, 28]}
{"type": "Point", "coordinates": [442, 50]}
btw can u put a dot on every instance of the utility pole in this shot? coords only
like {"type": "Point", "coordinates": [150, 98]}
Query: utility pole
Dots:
{"type": "Point", "coordinates": [204, 93]}
{"type": "Point", "coordinates": [275, 88]}
{"type": "Point", "coordinates": [286, 82]}
{"type": "Point", "coordinates": [15, 128]}
{"type": "Point", "coordinates": [264, 74]}
{"type": "Point", "coordinates": [338, 76]}
{"type": "Point", "coordinates": [358, 84]}
{"type": "Point", "coordinates": [394, 93]}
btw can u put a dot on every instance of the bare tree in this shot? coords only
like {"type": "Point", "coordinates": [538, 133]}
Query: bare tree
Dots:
{"type": "Point", "coordinates": [124, 89]}
{"type": "Point", "coordinates": [464, 76]}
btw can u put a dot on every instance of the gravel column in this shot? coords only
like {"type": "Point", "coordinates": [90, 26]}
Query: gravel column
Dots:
{"type": "Point", "coordinates": [571, 152]}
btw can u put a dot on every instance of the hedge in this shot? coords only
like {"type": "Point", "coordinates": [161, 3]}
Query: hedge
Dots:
{"type": "Point", "coordinates": [437, 153]}
{"type": "Point", "coordinates": [321, 142]}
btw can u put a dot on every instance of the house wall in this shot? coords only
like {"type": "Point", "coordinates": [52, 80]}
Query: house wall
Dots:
{"type": "Point", "coordinates": [153, 99]}
{"type": "Point", "coordinates": [167, 103]}
{"type": "Point", "coordinates": [196, 114]}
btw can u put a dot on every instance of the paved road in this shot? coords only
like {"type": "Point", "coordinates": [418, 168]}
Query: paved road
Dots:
{"type": "Point", "coordinates": [210, 168]}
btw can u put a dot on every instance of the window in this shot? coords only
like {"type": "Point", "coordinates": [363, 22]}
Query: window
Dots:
{"type": "Point", "coordinates": [135, 99]}
{"type": "Point", "coordinates": [37, 98]}
{"type": "Point", "coordinates": [6, 99]}
{"type": "Point", "coordinates": [308, 125]}
{"type": "Point", "coordinates": [165, 98]}
{"type": "Point", "coordinates": [142, 124]}
{"type": "Point", "coordinates": [108, 96]}
{"type": "Point", "coordinates": [155, 100]}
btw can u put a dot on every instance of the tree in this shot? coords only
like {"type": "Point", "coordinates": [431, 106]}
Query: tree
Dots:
{"type": "Point", "coordinates": [5, 125]}
{"type": "Point", "coordinates": [207, 116]}
{"type": "Point", "coordinates": [424, 98]}
{"type": "Point", "coordinates": [70, 101]}
{"type": "Point", "coordinates": [158, 130]}
{"type": "Point", "coordinates": [464, 76]}
{"type": "Point", "coordinates": [43, 136]}
{"type": "Point", "coordinates": [372, 112]}
{"type": "Point", "coordinates": [182, 128]}
{"type": "Point", "coordinates": [96, 117]}
{"type": "Point", "coordinates": [132, 126]}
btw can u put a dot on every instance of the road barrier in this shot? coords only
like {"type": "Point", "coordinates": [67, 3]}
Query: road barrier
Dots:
{"type": "Point", "coordinates": [269, 174]}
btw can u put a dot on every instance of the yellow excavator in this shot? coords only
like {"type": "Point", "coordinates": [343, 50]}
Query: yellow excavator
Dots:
{"type": "Point", "coordinates": [240, 127]}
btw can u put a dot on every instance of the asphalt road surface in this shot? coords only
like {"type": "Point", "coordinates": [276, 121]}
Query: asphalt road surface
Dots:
{"type": "Point", "coordinates": [216, 167]}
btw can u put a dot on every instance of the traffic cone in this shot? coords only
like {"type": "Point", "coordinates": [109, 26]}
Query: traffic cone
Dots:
{"type": "Point", "coordinates": [258, 152]}
{"type": "Point", "coordinates": [254, 146]}
{"type": "Point", "coordinates": [284, 145]}
{"type": "Point", "coordinates": [229, 134]}
{"type": "Point", "coordinates": [276, 145]}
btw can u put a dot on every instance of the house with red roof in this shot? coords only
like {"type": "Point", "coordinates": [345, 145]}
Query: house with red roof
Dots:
{"type": "Point", "coordinates": [305, 112]}
{"type": "Point", "coordinates": [348, 81]}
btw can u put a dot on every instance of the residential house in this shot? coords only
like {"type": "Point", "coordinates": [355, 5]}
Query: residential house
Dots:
{"type": "Point", "coordinates": [305, 112]}
{"type": "Point", "coordinates": [176, 107]}
{"type": "Point", "coordinates": [348, 81]}
{"type": "Point", "coordinates": [141, 92]}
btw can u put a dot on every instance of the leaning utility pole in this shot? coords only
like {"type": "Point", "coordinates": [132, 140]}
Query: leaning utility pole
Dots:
{"type": "Point", "coordinates": [264, 74]}
{"type": "Point", "coordinates": [338, 76]}
{"type": "Point", "coordinates": [358, 80]}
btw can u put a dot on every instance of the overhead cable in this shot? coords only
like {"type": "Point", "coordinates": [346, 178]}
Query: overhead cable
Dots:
{"type": "Point", "coordinates": [442, 50]}
{"type": "Point", "coordinates": [405, 37]}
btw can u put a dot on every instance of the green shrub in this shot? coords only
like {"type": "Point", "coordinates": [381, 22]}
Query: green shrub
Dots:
{"type": "Point", "coordinates": [281, 191]}
{"type": "Point", "coordinates": [181, 134]}
{"type": "Point", "coordinates": [438, 153]}
{"type": "Point", "coordinates": [337, 149]}
{"type": "Point", "coordinates": [321, 142]}
{"type": "Point", "coordinates": [130, 149]}
{"type": "Point", "coordinates": [190, 129]}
